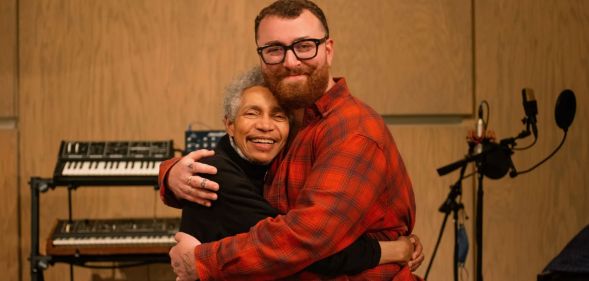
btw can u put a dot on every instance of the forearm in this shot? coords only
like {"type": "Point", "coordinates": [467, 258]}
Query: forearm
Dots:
{"type": "Point", "coordinates": [363, 254]}
{"type": "Point", "coordinates": [394, 252]}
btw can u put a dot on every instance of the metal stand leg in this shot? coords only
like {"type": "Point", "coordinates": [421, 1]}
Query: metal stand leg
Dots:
{"type": "Point", "coordinates": [479, 230]}
{"type": "Point", "coordinates": [38, 262]}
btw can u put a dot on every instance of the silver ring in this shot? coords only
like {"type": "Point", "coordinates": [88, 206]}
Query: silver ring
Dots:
{"type": "Point", "coordinates": [203, 183]}
{"type": "Point", "coordinates": [188, 180]}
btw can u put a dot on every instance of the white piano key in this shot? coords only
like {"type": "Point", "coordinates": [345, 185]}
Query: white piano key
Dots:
{"type": "Point", "coordinates": [115, 240]}
{"type": "Point", "coordinates": [66, 168]}
{"type": "Point", "coordinates": [85, 169]}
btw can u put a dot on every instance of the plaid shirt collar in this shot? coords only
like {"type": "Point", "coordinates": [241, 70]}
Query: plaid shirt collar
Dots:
{"type": "Point", "coordinates": [326, 102]}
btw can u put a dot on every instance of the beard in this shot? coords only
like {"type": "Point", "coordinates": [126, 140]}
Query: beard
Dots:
{"type": "Point", "coordinates": [300, 94]}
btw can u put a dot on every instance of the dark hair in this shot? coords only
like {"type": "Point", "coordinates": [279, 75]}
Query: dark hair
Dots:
{"type": "Point", "coordinates": [290, 9]}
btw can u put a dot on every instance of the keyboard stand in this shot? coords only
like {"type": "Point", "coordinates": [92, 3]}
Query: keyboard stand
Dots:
{"type": "Point", "coordinates": [38, 262]}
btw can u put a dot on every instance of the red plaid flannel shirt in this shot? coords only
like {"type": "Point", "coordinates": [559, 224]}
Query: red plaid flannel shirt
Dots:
{"type": "Point", "coordinates": [342, 176]}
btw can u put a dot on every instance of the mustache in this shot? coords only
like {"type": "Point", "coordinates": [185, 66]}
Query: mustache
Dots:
{"type": "Point", "coordinates": [289, 72]}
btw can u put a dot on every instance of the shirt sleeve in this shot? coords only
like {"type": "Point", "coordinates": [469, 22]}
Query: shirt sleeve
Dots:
{"type": "Point", "coordinates": [165, 194]}
{"type": "Point", "coordinates": [363, 254]}
{"type": "Point", "coordinates": [343, 196]}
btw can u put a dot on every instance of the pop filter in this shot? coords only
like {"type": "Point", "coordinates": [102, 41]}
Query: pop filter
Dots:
{"type": "Point", "coordinates": [566, 106]}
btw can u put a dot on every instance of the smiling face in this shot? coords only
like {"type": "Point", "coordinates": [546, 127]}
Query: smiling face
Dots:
{"type": "Point", "coordinates": [260, 129]}
{"type": "Point", "coordinates": [296, 83]}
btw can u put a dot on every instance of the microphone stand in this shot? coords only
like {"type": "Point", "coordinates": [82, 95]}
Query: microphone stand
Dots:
{"type": "Point", "coordinates": [451, 205]}
{"type": "Point", "coordinates": [479, 221]}
{"type": "Point", "coordinates": [499, 163]}
{"type": "Point", "coordinates": [479, 159]}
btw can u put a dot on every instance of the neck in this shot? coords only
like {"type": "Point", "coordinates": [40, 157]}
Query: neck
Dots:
{"type": "Point", "coordinates": [232, 142]}
{"type": "Point", "coordinates": [330, 83]}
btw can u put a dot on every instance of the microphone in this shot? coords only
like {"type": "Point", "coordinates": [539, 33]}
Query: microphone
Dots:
{"type": "Point", "coordinates": [479, 131]}
{"type": "Point", "coordinates": [495, 159]}
{"type": "Point", "coordinates": [531, 109]}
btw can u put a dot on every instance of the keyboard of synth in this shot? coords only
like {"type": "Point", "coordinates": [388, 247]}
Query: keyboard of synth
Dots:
{"type": "Point", "coordinates": [111, 162]}
{"type": "Point", "coordinates": [113, 236]}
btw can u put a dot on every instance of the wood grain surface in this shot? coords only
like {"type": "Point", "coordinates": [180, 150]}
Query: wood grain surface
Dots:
{"type": "Point", "coordinates": [145, 70]}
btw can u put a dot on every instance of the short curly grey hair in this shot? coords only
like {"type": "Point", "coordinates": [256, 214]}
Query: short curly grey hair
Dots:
{"type": "Point", "coordinates": [233, 91]}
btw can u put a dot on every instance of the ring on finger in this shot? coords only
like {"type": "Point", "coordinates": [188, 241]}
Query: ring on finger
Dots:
{"type": "Point", "coordinates": [203, 183]}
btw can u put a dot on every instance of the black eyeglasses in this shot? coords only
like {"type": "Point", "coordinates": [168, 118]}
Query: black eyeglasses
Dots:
{"type": "Point", "coordinates": [303, 49]}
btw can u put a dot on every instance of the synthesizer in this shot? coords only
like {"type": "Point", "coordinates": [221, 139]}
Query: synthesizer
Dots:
{"type": "Point", "coordinates": [113, 236]}
{"type": "Point", "coordinates": [111, 162]}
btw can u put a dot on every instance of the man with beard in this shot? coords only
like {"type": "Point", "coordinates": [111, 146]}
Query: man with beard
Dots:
{"type": "Point", "coordinates": [341, 177]}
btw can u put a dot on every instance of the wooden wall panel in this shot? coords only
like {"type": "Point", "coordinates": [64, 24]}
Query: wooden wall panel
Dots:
{"type": "Point", "coordinates": [541, 45]}
{"type": "Point", "coordinates": [9, 216]}
{"type": "Point", "coordinates": [425, 149]}
{"type": "Point", "coordinates": [8, 56]}
{"type": "Point", "coordinates": [405, 57]}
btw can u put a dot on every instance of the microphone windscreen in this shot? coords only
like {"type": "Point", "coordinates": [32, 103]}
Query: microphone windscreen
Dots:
{"type": "Point", "coordinates": [566, 106]}
{"type": "Point", "coordinates": [497, 162]}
